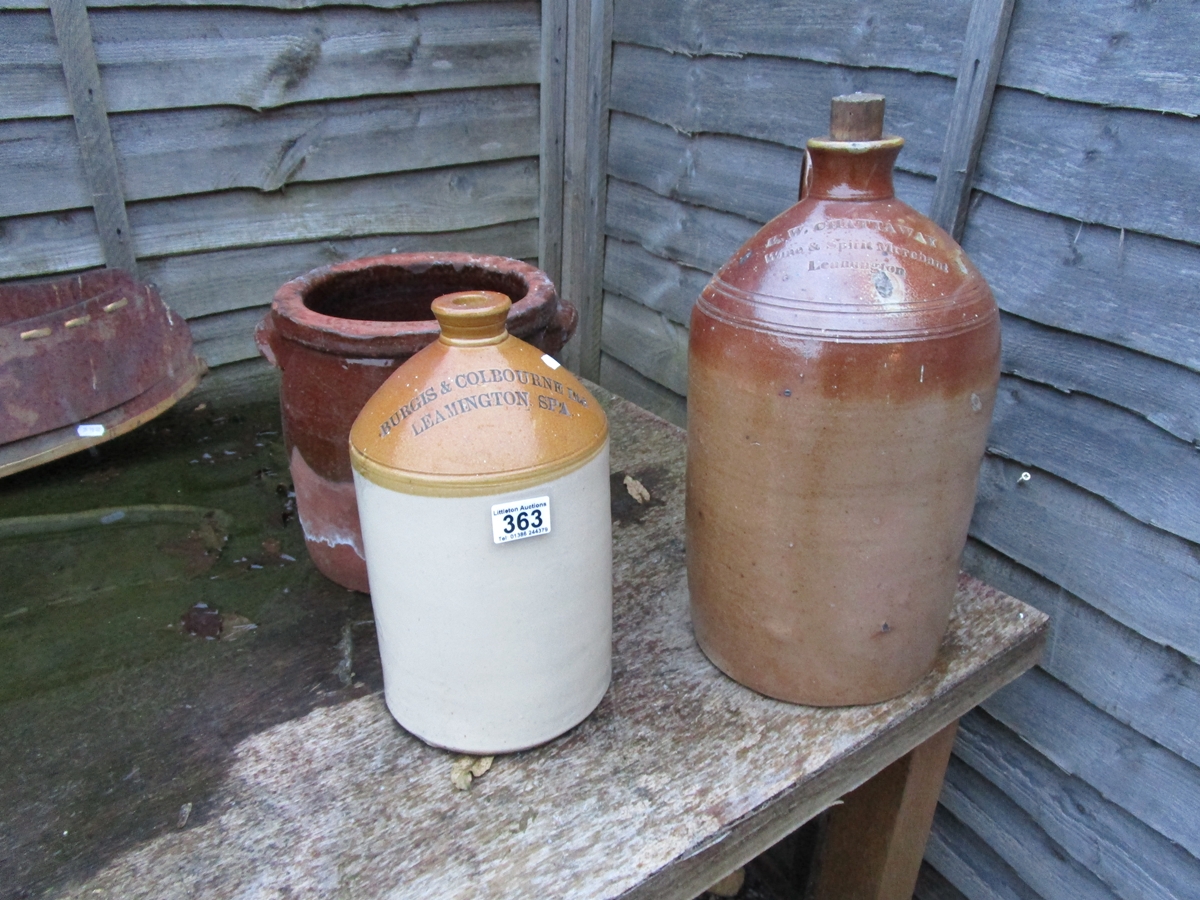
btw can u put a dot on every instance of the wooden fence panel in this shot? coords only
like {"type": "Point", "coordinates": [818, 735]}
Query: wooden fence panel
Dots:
{"type": "Point", "coordinates": [1145, 685]}
{"type": "Point", "coordinates": [1107, 52]}
{"type": "Point", "coordinates": [1110, 52]}
{"type": "Point", "coordinates": [193, 151]}
{"type": "Point", "coordinates": [784, 101]}
{"type": "Point", "coordinates": [172, 57]}
{"type": "Point", "coordinates": [659, 284]}
{"type": "Point", "coordinates": [434, 200]}
{"type": "Point", "coordinates": [755, 179]}
{"type": "Point", "coordinates": [1118, 167]}
{"type": "Point", "coordinates": [1061, 532]}
{"type": "Point", "coordinates": [1017, 839]}
{"type": "Point", "coordinates": [848, 33]}
{"type": "Point", "coordinates": [1134, 860]}
{"type": "Point", "coordinates": [1128, 289]}
{"type": "Point", "coordinates": [1151, 782]}
{"type": "Point", "coordinates": [1094, 445]}
{"type": "Point", "coordinates": [970, 864]}
{"type": "Point", "coordinates": [646, 341]}
{"type": "Point", "coordinates": [1165, 394]}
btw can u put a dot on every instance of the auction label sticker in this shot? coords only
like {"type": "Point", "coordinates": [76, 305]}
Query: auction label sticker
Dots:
{"type": "Point", "coordinates": [520, 519]}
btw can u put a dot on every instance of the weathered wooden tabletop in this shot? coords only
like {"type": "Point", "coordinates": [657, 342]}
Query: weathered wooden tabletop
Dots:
{"type": "Point", "coordinates": [678, 777]}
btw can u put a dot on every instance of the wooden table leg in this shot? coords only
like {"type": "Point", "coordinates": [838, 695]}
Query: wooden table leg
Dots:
{"type": "Point", "coordinates": [874, 840]}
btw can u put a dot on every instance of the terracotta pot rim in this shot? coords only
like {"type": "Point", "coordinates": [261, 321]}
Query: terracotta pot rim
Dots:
{"type": "Point", "coordinates": [384, 339]}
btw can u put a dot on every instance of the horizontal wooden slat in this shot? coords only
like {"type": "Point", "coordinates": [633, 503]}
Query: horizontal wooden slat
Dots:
{"type": "Point", "coordinates": [697, 237]}
{"type": "Point", "coordinates": [779, 100]}
{"type": "Point", "coordinates": [970, 864]}
{"type": "Point", "coordinates": [1132, 290]}
{"type": "Point", "coordinates": [1136, 861]}
{"type": "Point", "coordinates": [1112, 453]}
{"type": "Point", "coordinates": [429, 201]}
{"type": "Point", "coordinates": [755, 179]}
{"type": "Point", "coordinates": [268, 4]}
{"type": "Point", "coordinates": [169, 57]}
{"type": "Point", "coordinates": [1070, 159]}
{"type": "Point", "coordinates": [1151, 688]}
{"type": "Point", "coordinates": [633, 386]}
{"type": "Point", "coordinates": [1017, 839]}
{"type": "Point", "coordinates": [1063, 533]}
{"type": "Point", "coordinates": [192, 151]}
{"type": "Point", "coordinates": [31, 66]}
{"type": "Point", "coordinates": [1166, 394]}
{"type": "Point", "coordinates": [690, 168]}
{"type": "Point", "coordinates": [933, 885]}
{"type": "Point", "coordinates": [1151, 782]}
{"type": "Point", "coordinates": [48, 244]}
{"type": "Point", "coordinates": [227, 337]}
{"type": "Point", "coordinates": [645, 341]}
{"type": "Point", "coordinates": [849, 33]}
{"type": "Point", "coordinates": [1109, 52]}
{"type": "Point", "coordinates": [1118, 167]}
{"type": "Point", "coordinates": [659, 284]}
{"type": "Point", "coordinates": [203, 284]}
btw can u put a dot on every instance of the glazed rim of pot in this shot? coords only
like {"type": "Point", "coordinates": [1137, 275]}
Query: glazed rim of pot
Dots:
{"type": "Point", "coordinates": [297, 321]}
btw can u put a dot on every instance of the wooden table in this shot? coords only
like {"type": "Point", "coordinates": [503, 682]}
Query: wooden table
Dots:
{"type": "Point", "coordinates": [677, 779]}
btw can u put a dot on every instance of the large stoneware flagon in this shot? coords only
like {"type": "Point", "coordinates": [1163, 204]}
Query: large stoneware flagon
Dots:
{"type": "Point", "coordinates": [843, 366]}
{"type": "Point", "coordinates": [481, 468]}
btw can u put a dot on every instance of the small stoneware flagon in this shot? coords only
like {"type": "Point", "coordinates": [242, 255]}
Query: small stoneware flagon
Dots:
{"type": "Point", "coordinates": [842, 370]}
{"type": "Point", "coordinates": [481, 469]}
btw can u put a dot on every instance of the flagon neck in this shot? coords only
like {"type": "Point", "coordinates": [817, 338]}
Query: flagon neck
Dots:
{"type": "Point", "coordinates": [852, 170]}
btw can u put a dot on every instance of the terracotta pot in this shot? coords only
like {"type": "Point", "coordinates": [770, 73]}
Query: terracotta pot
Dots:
{"type": "Point", "coordinates": [843, 367]}
{"type": "Point", "coordinates": [481, 468]}
{"type": "Point", "coordinates": [338, 332]}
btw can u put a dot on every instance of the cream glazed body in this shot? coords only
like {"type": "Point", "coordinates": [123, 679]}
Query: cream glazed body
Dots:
{"type": "Point", "coordinates": [481, 473]}
{"type": "Point", "coordinates": [511, 650]}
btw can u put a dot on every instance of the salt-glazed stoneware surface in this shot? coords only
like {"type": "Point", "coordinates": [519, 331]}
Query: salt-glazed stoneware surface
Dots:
{"type": "Point", "coordinates": [338, 332]}
{"type": "Point", "coordinates": [842, 370]}
{"type": "Point", "coordinates": [481, 468]}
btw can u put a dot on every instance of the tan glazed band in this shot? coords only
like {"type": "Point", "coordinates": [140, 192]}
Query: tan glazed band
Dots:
{"type": "Point", "coordinates": [429, 485]}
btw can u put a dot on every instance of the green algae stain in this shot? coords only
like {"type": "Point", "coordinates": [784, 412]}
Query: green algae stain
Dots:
{"type": "Point", "coordinates": [102, 555]}
{"type": "Point", "coordinates": [114, 718]}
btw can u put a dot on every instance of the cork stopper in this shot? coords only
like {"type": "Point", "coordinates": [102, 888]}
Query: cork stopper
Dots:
{"type": "Point", "coordinates": [856, 117]}
{"type": "Point", "coordinates": [472, 318]}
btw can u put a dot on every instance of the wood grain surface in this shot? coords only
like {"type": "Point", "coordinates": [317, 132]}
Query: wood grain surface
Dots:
{"type": "Point", "coordinates": [1094, 444]}
{"type": "Point", "coordinates": [151, 58]}
{"type": "Point", "coordinates": [968, 862]}
{"type": "Point", "coordinates": [193, 151]}
{"type": "Point", "coordinates": [1059, 530]}
{"type": "Point", "coordinates": [431, 200]}
{"type": "Point", "coordinates": [1153, 689]}
{"type": "Point", "coordinates": [1133, 859]}
{"type": "Point", "coordinates": [103, 188]}
{"type": "Point", "coordinates": [983, 50]}
{"type": "Point", "coordinates": [680, 776]}
{"type": "Point", "coordinates": [1157, 786]}
{"type": "Point", "coordinates": [1126, 288]}
{"type": "Point", "coordinates": [1102, 54]}
{"type": "Point", "coordinates": [1017, 839]}
{"type": "Point", "coordinates": [779, 100]}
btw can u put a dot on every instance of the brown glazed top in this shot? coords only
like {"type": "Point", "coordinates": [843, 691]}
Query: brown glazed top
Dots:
{"type": "Point", "coordinates": [476, 412]}
{"type": "Point", "coordinates": [850, 262]}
